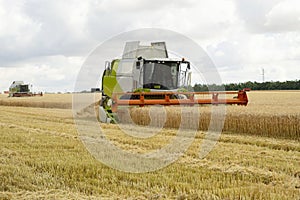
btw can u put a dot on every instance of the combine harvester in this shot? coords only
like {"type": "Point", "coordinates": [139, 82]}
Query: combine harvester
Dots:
{"type": "Point", "coordinates": [145, 75]}
{"type": "Point", "coordinates": [19, 89]}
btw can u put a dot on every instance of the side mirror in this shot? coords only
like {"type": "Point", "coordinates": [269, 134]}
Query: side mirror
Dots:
{"type": "Point", "coordinates": [184, 66]}
{"type": "Point", "coordinates": [138, 65]}
{"type": "Point", "coordinates": [107, 65]}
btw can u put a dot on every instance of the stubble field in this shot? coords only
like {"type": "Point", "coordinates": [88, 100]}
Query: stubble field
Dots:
{"type": "Point", "coordinates": [256, 157]}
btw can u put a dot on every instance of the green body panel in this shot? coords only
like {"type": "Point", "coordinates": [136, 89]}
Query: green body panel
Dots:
{"type": "Point", "coordinates": [110, 83]}
{"type": "Point", "coordinates": [19, 88]}
{"type": "Point", "coordinates": [114, 67]}
{"type": "Point", "coordinates": [14, 90]}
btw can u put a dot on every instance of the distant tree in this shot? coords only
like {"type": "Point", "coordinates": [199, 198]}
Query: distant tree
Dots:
{"type": "Point", "coordinates": [269, 85]}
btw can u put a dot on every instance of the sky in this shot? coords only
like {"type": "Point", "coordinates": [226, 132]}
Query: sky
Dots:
{"type": "Point", "coordinates": [45, 43]}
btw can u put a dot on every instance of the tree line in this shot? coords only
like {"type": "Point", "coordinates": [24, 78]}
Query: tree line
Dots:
{"type": "Point", "coordinates": [269, 85]}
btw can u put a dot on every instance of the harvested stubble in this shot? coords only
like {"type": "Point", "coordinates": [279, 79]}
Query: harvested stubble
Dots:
{"type": "Point", "coordinates": [45, 159]}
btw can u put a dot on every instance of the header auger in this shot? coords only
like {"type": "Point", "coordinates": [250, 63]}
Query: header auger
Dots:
{"type": "Point", "coordinates": [145, 75]}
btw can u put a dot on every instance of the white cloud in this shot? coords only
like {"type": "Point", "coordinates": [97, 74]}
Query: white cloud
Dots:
{"type": "Point", "coordinates": [253, 13]}
{"type": "Point", "coordinates": [45, 42]}
{"type": "Point", "coordinates": [52, 73]}
{"type": "Point", "coordinates": [285, 16]}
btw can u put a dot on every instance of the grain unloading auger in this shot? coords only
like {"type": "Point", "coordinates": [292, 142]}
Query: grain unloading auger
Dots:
{"type": "Point", "coordinates": [145, 75]}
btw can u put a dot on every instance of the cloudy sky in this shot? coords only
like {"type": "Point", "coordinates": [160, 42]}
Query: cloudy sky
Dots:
{"type": "Point", "coordinates": [46, 42]}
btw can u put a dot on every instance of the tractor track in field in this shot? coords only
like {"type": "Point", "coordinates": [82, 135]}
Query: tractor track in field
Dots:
{"type": "Point", "coordinates": [37, 130]}
{"type": "Point", "coordinates": [47, 144]}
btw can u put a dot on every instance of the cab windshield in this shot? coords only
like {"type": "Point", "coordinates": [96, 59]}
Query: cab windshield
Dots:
{"type": "Point", "coordinates": [161, 75]}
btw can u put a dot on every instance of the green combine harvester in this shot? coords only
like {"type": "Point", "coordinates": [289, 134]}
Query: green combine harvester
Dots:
{"type": "Point", "coordinates": [146, 75]}
{"type": "Point", "coordinates": [19, 89]}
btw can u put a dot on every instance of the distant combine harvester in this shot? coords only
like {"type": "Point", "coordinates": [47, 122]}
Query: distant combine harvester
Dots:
{"type": "Point", "coordinates": [19, 89]}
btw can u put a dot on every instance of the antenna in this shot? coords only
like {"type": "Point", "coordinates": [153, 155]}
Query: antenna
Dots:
{"type": "Point", "coordinates": [263, 74]}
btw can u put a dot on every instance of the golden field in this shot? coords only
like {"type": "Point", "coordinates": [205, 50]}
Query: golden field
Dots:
{"type": "Point", "coordinates": [268, 113]}
{"type": "Point", "coordinates": [45, 101]}
{"type": "Point", "coordinates": [42, 157]}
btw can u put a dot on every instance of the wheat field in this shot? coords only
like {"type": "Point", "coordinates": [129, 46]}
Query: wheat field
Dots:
{"type": "Point", "coordinates": [42, 157]}
{"type": "Point", "coordinates": [269, 113]}
{"type": "Point", "coordinates": [46, 101]}
{"type": "Point", "coordinates": [272, 114]}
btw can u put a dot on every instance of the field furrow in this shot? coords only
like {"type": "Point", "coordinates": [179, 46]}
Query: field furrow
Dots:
{"type": "Point", "coordinates": [42, 157]}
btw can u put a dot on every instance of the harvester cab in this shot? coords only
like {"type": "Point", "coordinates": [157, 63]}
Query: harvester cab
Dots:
{"type": "Point", "coordinates": [142, 69]}
{"type": "Point", "coordinates": [145, 75]}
